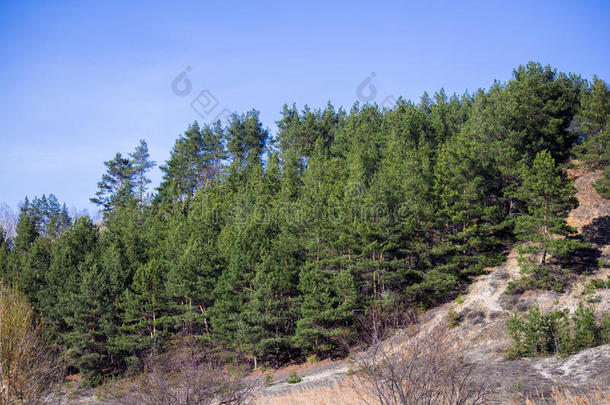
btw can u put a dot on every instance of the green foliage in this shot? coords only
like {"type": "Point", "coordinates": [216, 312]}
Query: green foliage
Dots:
{"type": "Point", "coordinates": [552, 278]}
{"type": "Point", "coordinates": [194, 162]}
{"type": "Point", "coordinates": [91, 324]}
{"type": "Point", "coordinates": [268, 380]}
{"type": "Point", "coordinates": [539, 105]}
{"type": "Point", "coordinates": [543, 230]}
{"type": "Point", "coordinates": [141, 164]}
{"type": "Point", "coordinates": [268, 248]}
{"type": "Point", "coordinates": [549, 197]}
{"type": "Point", "coordinates": [591, 124]}
{"type": "Point", "coordinates": [598, 283]}
{"type": "Point", "coordinates": [50, 217]}
{"type": "Point", "coordinates": [116, 186]}
{"type": "Point", "coordinates": [326, 311]}
{"type": "Point", "coordinates": [556, 332]}
{"type": "Point", "coordinates": [453, 318]}
{"type": "Point", "coordinates": [294, 378]}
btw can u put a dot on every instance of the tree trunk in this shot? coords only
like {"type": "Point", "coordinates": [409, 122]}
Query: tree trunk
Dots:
{"type": "Point", "coordinates": [546, 232]}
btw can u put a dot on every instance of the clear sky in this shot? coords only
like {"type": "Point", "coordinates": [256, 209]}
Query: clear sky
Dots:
{"type": "Point", "coordinates": [81, 80]}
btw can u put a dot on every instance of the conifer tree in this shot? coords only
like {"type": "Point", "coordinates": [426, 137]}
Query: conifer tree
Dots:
{"type": "Point", "coordinates": [592, 119]}
{"type": "Point", "coordinates": [62, 279]}
{"type": "Point", "coordinates": [328, 301]}
{"type": "Point", "coordinates": [144, 305]}
{"type": "Point", "coordinates": [246, 138]}
{"type": "Point", "coordinates": [141, 163]}
{"type": "Point", "coordinates": [271, 310]}
{"type": "Point", "coordinates": [271, 307]}
{"type": "Point", "coordinates": [538, 105]}
{"type": "Point", "coordinates": [468, 212]}
{"type": "Point", "coordinates": [549, 197]}
{"type": "Point", "coordinates": [27, 228]}
{"type": "Point", "coordinates": [591, 123]}
{"type": "Point", "coordinates": [33, 267]}
{"type": "Point", "coordinates": [91, 325]}
{"type": "Point", "coordinates": [190, 282]}
{"type": "Point", "coordinates": [247, 234]}
{"type": "Point", "coordinates": [194, 161]}
{"type": "Point", "coordinates": [116, 186]}
{"type": "Point", "coordinates": [50, 216]}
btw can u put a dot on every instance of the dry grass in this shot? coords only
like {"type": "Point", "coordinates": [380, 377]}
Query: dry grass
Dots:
{"type": "Point", "coordinates": [407, 368]}
{"type": "Point", "coordinates": [565, 397]}
{"type": "Point", "coordinates": [300, 369]}
{"type": "Point", "coordinates": [349, 392]}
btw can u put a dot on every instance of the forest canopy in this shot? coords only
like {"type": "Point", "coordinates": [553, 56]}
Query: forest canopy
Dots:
{"type": "Point", "coordinates": [271, 246]}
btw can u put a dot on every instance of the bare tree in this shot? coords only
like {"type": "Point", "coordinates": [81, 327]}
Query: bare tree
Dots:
{"type": "Point", "coordinates": [187, 375]}
{"type": "Point", "coordinates": [28, 369]}
{"type": "Point", "coordinates": [405, 363]}
{"type": "Point", "coordinates": [75, 213]}
{"type": "Point", "coordinates": [8, 220]}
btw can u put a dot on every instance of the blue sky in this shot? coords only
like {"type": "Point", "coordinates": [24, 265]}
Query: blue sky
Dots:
{"type": "Point", "coordinates": [81, 80]}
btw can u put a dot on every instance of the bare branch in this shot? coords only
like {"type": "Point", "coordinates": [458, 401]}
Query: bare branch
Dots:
{"type": "Point", "coordinates": [405, 364]}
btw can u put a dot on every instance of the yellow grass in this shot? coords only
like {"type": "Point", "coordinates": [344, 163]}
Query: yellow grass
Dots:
{"type": "Point", "coordinates": [349, 392]}
{"type": "Point", "coordinates": [565, 397]}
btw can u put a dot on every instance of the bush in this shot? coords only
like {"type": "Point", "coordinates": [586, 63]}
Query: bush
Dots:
{"type": "Point", "coordinates": [188, 375]}
{"type": "Point", "coordinates": [294, 378]}
{"type": "Point", "coordinates": [453, 318]}
{"type": "Point", "coordinates": [28, 368]}
{"type": "Point", "coordinates": [402, 364]}
{"type": "Point", "coordinates": [551, 278]}
{"type": "Point", "coordinates": [598, 284]}
{"type": "Point", "coordinates": [535, 276]}
{"type": "Point", "coordinates": [268, 380]}
{"type": "Point", "coordinates": [585, 331]}
{"type": "Point", "coordinates": [520, 286]}
{"type": "Point", "coordinates": [542, 333]}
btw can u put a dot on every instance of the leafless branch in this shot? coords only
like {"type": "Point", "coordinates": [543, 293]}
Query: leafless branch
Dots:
{"type": "Point", "coordinates": [187, 375]}
{"type": "Point", "coordinates": [402, 363]}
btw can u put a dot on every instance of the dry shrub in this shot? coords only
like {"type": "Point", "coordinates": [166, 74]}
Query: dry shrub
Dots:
{"type": "Point", "coordinates": [565, 397]}
{"type": "Point", "coordinates": [187, 375]}
{"type": "Point", "coordinates": [404, 364]}
{"type": "Point", "coordinates": [28, 368]}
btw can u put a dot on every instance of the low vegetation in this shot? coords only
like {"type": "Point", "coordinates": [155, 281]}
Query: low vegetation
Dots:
{"type": "Point", "coordinates": [556, 332]}
{"type": "Point", "coordinates": [560, 396]}
{"type": "Point", "coordinates": [28, 368]}
{"type": "Point", "coordinates": [294, 378]}
{"type": "Point", "coordinates": [186, 375]}
{"type": "Point", "coordinates": [402, 363]}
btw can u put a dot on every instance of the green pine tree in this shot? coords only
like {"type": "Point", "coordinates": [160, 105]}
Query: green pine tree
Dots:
{"type": "Point", "coordinates": [141, 163]}
{"type": "Point", "coordinates": [543, 230]}
{"type": "Point", "coordinates": [91, 326]}
{"type": "Point", "coordinates": [116, 187]}
{"type": "Point", "coordinates": [592, 124]}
